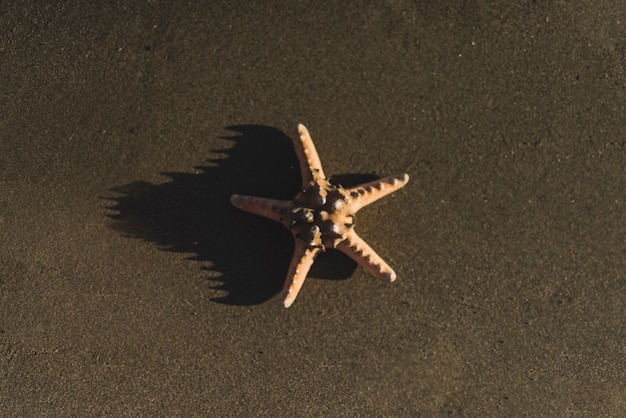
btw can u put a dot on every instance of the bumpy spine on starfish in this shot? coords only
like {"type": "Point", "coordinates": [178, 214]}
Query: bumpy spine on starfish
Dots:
{"type": "Point", "coordinates": [268, 208]}
{"type": "Point", "coordinates": [301, 262]}
{"type": "Point", "coordinates": [370, 192]}
{"type": "Point", "coordinates": [358, 250]}
{"type": "Point", "coordinates": [310, 164]}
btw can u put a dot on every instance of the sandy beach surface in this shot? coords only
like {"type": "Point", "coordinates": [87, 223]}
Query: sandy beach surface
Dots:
{"type": "Point", "coordinates": [129, 286]}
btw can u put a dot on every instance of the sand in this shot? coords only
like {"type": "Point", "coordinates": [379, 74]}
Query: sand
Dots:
{"type": "Point", "coordinates": [130, 286]}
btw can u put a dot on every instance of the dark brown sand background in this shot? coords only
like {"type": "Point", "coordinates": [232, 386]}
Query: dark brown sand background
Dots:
{"type": "Point", "coordinates": [129, 286]}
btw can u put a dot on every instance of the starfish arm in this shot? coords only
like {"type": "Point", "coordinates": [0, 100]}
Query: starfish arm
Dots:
{"type": "Point", "coordinates": [268, 208]}
{"type": "Point", "coordinates": [357, 249]}
{"type": "Point", "coordinates": [310, 164]}
{"type": "Point", "coordinates": [303, 257]}
{"type": "Point", "coordinates": [370, 192]}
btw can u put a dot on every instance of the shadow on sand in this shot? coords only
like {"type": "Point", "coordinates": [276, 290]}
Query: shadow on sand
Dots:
{"type": "Point", "coordinates": [191, 213]}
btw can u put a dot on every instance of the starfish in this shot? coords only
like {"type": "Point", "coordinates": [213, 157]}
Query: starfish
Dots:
{"type": "Point", "coordinates": [321, 216]}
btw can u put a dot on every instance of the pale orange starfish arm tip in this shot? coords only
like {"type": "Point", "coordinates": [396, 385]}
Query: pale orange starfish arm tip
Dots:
{"type": "Point", "coordinates": [370, 192]}
{"type": "Point", "coordinates": [357, 249]}
{"type": "Point", "coordinates": [310, 164]}
{"type": "Point", "coordinates": [268, 208]}
{"type": "Point", "coordinates": [301, 262]}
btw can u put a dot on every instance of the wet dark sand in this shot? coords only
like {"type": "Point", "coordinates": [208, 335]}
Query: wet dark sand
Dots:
{"type": "Point", "coordinates": [129, 286]}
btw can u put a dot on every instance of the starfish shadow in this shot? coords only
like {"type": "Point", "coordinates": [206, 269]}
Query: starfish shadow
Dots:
{"type": "Point", "coordinates": [191, 213]}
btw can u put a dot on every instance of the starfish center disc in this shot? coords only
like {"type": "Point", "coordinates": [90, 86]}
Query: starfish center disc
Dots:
{"type": "Point", "coordinates": [318, 216]}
